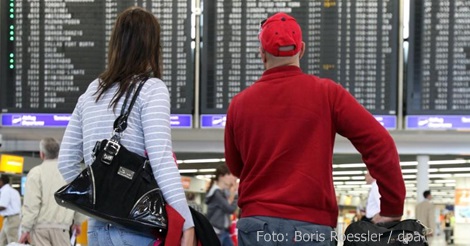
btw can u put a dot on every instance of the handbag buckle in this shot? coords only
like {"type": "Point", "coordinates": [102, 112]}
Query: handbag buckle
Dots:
{"type": "Point", "coordinates": [110, 151]}
{"type": "Point", "coordinates": [95, 150]}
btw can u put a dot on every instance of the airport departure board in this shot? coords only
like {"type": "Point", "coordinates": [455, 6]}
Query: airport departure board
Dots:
{"type": "Point", "coordinates": [438, 80]}
{"type": "Point", "coordinates": [354, 43]}
{"type": "Point", "coordinates": [54, 49]}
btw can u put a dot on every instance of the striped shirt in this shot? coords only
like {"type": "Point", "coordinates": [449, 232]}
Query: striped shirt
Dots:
{"type": "Point", "coordinates": [148, 130]}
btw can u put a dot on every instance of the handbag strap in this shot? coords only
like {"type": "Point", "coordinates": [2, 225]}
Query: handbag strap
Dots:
{"type": "Point", "coordinates": [120, 124]}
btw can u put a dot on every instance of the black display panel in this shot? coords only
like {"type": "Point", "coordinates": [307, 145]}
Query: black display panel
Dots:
{"type": "Point", "coordinates": [354, 43]}
{"type": "Point", "coordinates": [438, 81]}
{"type": "Point", "coordinates": [56, 48]}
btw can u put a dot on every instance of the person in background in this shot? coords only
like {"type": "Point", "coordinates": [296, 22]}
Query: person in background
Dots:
{"type": "Point", "coordinates": [221, 200]}
{"type": "Point", "coordinates": [134, 55]}
{"type": "Point", "coordinates": [279, 139]}
{"type": "Point", "coordinates": [192, 202]}
{"type": "Point", "coordinates": [425, 212]}
{"type": "Point", "coordinates": [373, 199]}
{"type": "Point", "coordinates": [43, 221]}
{"type": "Point", "coordinates": [10, 206]}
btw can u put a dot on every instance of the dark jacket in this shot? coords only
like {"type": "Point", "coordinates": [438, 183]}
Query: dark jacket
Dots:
{"type": "Point", "coordinates": [204, 231]}
{"type": "Point", "coordinates": [218, 208]}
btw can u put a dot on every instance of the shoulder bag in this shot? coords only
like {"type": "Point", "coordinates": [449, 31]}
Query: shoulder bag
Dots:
{"type": "Point", "coordinates": [119, 186]}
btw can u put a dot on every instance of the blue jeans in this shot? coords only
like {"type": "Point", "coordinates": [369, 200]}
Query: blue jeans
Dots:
{"type": "Point", "coordinates": [268, 231]}
{"type": "Point", "coordinates": [105, 234]}
{"type": "Point", "coordinates": [225, 239]}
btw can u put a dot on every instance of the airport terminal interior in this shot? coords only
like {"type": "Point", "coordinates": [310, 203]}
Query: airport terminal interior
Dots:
{"type": "Point", "coordinates": [406, 61]}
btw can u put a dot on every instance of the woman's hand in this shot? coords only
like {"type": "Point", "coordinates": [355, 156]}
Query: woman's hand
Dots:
{"type": "Point", "coordinates": [189, 238]}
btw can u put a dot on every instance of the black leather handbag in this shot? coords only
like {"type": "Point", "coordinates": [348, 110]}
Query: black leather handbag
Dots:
{"type": "Point", "coordinates": [119, 186]}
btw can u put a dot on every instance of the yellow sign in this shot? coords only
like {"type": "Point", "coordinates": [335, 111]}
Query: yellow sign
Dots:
{"type": "Point", "coordinates": [11, 164]}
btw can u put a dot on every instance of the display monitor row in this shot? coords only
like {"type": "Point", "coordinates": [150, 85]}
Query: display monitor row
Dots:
{"type": "Point", "coordinates": [206, 121]}
{"type": "Point", "coordinates": [51, 50]}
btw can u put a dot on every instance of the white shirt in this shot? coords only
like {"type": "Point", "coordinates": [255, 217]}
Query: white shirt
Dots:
{"type": "Point", "coordinates": [373, 201]}
{"type": "Point", "coordinates": [9, 199]}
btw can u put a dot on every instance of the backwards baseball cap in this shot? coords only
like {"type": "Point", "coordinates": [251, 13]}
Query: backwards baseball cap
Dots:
{"type": "Point", "coordinates": [278, 33]}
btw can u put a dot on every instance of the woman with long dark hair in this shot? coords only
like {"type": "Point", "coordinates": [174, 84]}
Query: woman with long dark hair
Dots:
{"type": "Point", "coordinates": [134, 55]}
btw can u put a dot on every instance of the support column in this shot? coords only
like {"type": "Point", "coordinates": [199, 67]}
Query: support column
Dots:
{"type": "Point", "coordinates": [422, 177]}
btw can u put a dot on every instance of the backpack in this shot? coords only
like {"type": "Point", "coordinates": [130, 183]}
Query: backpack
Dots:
{"type": "Point", "coordinates": [407, 232]}
{"type": "Point", "coordinates": [205, 233]}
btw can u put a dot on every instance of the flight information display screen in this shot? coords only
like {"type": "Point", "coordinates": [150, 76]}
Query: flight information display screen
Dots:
{"type": "Point", "coordinates": [355, 43]}
{"type": "Point", "coordinates": [438, 80]}
{"type": "Point", "coordinates": [54, 49]}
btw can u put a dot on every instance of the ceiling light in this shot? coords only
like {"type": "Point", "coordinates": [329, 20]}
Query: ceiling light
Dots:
{"type": "Point", "coordinates": [358, 192]}
{"type": "Point", "coordinates": [347, 172]}
{"type": "Point", "coordinates": [409, 170]}
{"type": "Point", "coordinates": [207, 170]}
{"type": "Point", "coordinates": [355, 182]}
{"type": "Point", "coordinates": [357, 178]}
{"type": "Point", "coordinates": [212, 160]}
{"type": "Point", "coordinates": [351, 165]}
{"type": "Point", "coordinates": [349, 186]}
{"type": "Point", "coordinates": [440, 175]}
{"type": "Point", "coordinates": [341, 178]}
{"type": "Point", "coordinates": [455, 169]}
{"type": "Point", "coordinates": [462, 175]}
{"type": "Point", "coordinates": [188, 170]}
{"type": "Point", "coordinates": [408, 163]}
{"type": "Point", "coordinates": [446, 162]}
{"type": "Point", "coordinates": [444, 181]}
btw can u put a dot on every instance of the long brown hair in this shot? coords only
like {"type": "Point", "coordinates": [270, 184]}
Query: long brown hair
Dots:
{"type": "Point", "coordinates": [134, 52]}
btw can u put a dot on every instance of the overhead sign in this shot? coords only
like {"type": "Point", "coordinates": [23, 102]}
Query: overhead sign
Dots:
{"type": "Point", "coordinates": [438, 122]}
{"type": "Point", "coordinates": [11, 164]}
{"type": "Point", "coordinates": [61, 120]}
{"type": "Point", "coordinates": [219, 120]}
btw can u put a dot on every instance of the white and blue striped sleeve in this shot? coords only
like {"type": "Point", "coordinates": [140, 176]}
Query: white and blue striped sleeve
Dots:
{"type": "Point", "coordinates": [155, 118]}
{"type": "Point", "coordinates": [71, 147]}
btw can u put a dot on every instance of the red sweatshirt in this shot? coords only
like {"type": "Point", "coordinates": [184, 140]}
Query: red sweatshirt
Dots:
{"type": "Point", "coordinates": [279, 139]}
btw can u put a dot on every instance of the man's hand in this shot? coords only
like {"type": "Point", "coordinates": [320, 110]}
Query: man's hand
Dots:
{"type": "Point", "coordinates": [77, 229]}
{"type": "Point", "coordinates": [25, 238]}
{"type": "Point", "coordinates": [382, 219]}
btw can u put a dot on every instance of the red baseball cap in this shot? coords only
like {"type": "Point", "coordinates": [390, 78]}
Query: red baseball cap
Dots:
{"type": "Point", "coordinates": [281, 30]}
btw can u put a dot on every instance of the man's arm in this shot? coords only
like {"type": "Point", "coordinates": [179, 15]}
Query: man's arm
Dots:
{"type": "Point", "coordinates": [4, 199]}
{"type": "Point", "coordinates": [232, 155]}
{"type": "Point", "coordinates": [32, 201]}
{"type": "Point", "coordinates": [376, 146]}
{"type": "Point", "coordinates": [432, 218]}
{"type": "Point", "coordinates": [78, 219]}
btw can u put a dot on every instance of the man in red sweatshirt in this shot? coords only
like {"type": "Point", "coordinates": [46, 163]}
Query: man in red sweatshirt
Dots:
{"type": "Point", "coordinates": [279, 139]}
